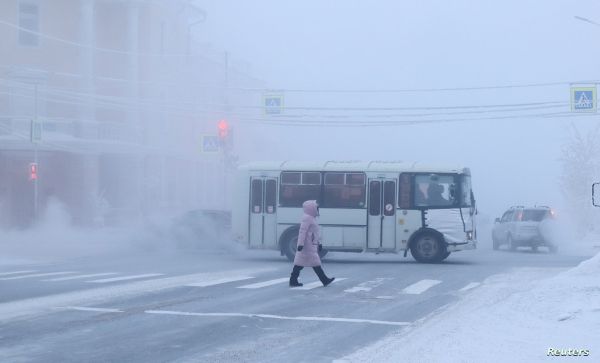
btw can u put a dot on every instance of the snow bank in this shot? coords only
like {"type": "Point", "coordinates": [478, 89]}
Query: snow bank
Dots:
{"type": "Point", "coordinates": [518, 317]}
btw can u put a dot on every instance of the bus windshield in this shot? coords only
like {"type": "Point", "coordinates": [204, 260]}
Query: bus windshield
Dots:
{"type": "Point", "coordinates": [442, 190]}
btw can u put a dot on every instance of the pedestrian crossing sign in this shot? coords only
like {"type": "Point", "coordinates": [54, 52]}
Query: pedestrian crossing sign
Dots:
{"type": "Point", "coordinates": [273, 104]}
{"type": "Point", "coordinates": [210, 144]}
{"type": "Point", "coordinates": [583, 99]}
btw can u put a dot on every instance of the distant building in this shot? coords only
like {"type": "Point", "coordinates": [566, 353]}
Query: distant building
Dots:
{"type": "Point", "coordinates": [124, 97]}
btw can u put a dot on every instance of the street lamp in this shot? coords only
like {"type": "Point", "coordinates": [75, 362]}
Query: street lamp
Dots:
{"type": "Point", "coordinates": [586, 20]}
{"type": "Point", "coordinates": [201, 18]}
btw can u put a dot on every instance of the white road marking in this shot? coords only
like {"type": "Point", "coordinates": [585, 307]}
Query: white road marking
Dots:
{"type": "Point", "coordinates": [218, 281]}
{"type": "Point", "coordinates": [38, 275]}
{"type": "Point", "coordinates": [470, 286]}
{"type": "Point", "coordinates": [316, 284]}
{"type": "Point", "coordinates": [280, 317]}
{"type": "Point", "coordinates": [258, 285]}
{"type": "Point", "coordinates": [81, 276]}
{"type": "Point", "coordinates": [124, 278]}
{"type": "Point", "coordinates": [16, 272]}
{"type": "Point", "coordinates": [43, 304]}
{"type": "Point", "coordinates": [385, 297]}
{"type": "Point", "coordinates": [420, 287]}
{"type": "Point", "coordinates": [85, 308]}
{"type": "Point", "coordinates": [368, 285]}
{"type": "Point", "coordinates": [357, 289]}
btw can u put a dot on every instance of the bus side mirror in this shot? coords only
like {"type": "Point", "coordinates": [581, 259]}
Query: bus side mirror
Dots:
{"type": "Point", "coordinates": [596, 194]}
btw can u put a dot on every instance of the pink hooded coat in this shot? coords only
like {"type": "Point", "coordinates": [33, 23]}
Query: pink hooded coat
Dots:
{"type": "Point", "coordinates": [309, 237]}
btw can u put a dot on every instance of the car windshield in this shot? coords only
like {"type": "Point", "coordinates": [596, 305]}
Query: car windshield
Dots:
{"type": "Point", "coordinates": [533, 215]}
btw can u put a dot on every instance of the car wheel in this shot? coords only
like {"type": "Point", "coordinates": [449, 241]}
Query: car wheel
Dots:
{"type": "Point", "coordinates": [495, 244]}
{"type": "Point", "coordinates": [534, 248]}
{"type": "Point", "coordinates": [428, 248]}
{"type": "Point", "coordinates": [511, 244]}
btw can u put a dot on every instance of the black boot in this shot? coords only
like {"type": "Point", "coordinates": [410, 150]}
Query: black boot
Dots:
{"type": "Point", "coordinates": [294, 276]}
{"type": "Point", "coordinates": [324, 279]}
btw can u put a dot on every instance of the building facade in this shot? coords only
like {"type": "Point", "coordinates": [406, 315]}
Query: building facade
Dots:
{"type": "Point", "coordinates": [123, 97]}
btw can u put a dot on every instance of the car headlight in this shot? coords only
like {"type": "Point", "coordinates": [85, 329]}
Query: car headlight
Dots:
{"type": "Point", "coordinates": [469, 235]}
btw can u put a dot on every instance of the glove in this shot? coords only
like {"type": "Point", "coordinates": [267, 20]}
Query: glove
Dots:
{"type": "Point", "coordinates": [300, 248]}
{"type": "Point", "coordinates": [320, 247]}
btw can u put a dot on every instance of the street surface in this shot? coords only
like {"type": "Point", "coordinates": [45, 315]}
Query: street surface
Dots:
{"type": "Point", "coordinates": [229, 305]}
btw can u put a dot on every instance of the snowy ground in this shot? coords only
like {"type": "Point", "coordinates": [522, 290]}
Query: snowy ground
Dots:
{"type": "Point", "coordinates": [514, 317]}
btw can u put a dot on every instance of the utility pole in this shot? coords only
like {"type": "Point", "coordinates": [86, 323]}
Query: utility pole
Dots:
{"type": "Point", "coordinates": [35, 151]}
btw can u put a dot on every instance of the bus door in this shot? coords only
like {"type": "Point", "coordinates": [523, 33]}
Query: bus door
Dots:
{"type": "Point", "coordinates": [263, 208]}
{"type": "Point", "coordinates": [382, 214]}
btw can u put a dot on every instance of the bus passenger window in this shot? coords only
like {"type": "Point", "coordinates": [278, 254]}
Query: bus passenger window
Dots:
{"type": "Point", "coordinates": [344, 190]}
{"type": "Point", "coordinates": [257, 196]}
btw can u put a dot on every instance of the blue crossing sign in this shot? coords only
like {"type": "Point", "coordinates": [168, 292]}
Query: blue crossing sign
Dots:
{"type": "Point", "coordinates": [583, 99]}
{"type": "Point", "coordinates": [273, 104]}
{"type": "Point", "coordinates": [210, 144]}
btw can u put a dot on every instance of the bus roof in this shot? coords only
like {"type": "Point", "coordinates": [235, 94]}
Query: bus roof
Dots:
{"type": "Point", "coordinates": [336, 165]}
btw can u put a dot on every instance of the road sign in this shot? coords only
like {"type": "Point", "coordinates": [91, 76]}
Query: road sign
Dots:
{"type": "Point", "coordinates": [583, 99]}
{"type": "Point", "coordinates": [211, 144]}
{"type": "Point", "coordinates": [273, 104]}
{"type": "Point", "coordinates": [36, 131]}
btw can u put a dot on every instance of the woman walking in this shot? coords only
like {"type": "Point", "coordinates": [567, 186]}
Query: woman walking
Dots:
{"type": "Point", "coordinates": [309, 245]}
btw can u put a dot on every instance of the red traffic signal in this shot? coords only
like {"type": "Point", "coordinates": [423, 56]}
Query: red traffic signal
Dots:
{"type": "Point", "coordinates": [223, 128]}
{"type": "Point", "coordinates": [33, 171]}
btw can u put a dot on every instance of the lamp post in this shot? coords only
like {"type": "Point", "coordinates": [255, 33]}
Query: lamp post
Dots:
{"type": "Point", "coordinates": [586, 20]}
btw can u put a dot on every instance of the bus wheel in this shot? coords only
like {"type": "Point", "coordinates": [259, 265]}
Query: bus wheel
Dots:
{"type": "Point", "coordinates": [290, 245]}
{"type": "Point", "coordinates": [428, 248]}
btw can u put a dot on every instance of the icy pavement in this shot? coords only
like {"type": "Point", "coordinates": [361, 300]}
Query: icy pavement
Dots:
{"type": "Point", "coordinates": [512, 317]}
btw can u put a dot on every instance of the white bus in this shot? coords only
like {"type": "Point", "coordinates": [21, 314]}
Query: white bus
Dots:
{"type": "Point", "coordinates": [364, 207]}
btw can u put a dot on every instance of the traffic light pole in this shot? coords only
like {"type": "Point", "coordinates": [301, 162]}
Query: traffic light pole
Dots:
{"type": "Point", "coordinates": [35, 157]}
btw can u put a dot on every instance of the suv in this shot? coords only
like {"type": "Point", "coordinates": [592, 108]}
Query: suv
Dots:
{"type": "Point", "coordinates": [524, 226]}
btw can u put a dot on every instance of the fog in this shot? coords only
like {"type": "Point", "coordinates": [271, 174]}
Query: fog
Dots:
{"type": "Point", "coordinates": [485, 85]}
{"type": "Point", "coordinates": [418, 46]}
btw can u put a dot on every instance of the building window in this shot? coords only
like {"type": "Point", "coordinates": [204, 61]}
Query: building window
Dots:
{"type": "Point", "coordinates": [29, 24]}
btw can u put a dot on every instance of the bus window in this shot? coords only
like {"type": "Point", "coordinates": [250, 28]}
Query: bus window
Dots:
{"type": "Point", "coordinates": [256, 196]}
{"type": "Point", "coordinates": [405, 191]}
{"type": "Point", "coordinates": [344, 190]}
{"type": "Point", "coordinates": [435, 191]}
{"type": "Point", "coordinates": [374, 198]}
{"type": "Point", "coordinates": [270, 196]}
{"type": "Point", "coordinates": [298, 187]}
{"type": "Point", "coordinates": [389, 196]}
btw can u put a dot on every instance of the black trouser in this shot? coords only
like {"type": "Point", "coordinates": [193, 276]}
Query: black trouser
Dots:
{"type": "Point", "coordinates": [318, 270]}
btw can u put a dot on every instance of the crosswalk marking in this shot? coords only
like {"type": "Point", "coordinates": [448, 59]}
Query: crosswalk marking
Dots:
{"type": "Point", "coordinates": [420, 287]}
{"type": "Point", "coordinates": [258, 285]}
{"type": "Point", "coordinates": [38, 275]}
{"type": "Point", "coordinates": [367, 285]}
{"type": "Point", "coordinates": [124, 278]}
{"type": "Point", "coordinates": [81, 276]}
{"type": "Point", "coordinates": [316, 284]}
{"type": "Point", "coordinates": [85, 308]}
{"type": "Point", "coordinates": [280, 317]}
{"type": "Point", "coordinates": [470, 286]}
{"type": "Point", "coordinates": [16, 272]}
{"type": "Point", "coordinates": [218, 281]}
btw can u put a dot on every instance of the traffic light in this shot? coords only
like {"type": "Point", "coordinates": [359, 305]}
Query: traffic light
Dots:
{"type": "Point", "coordinates": [33, 171]}
{"type": "Point", "coordinates": [225, 133]}
{"type": "Point", "coordinates": [223, 128]}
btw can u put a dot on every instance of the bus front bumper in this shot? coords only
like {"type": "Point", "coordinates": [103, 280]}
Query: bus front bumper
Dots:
{"type": "Point", "coordinates": [461, 246]}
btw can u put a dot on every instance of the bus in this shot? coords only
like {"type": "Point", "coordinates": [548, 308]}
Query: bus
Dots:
{"type": "Point", "coordinates": [373, 206]}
